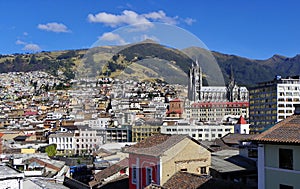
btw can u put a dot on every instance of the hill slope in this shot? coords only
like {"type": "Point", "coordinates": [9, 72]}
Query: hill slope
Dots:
{"type": "Point", "coordinates": [246, 71]}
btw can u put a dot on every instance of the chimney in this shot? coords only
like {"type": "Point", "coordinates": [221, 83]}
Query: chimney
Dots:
{"type": "Point", "coordinates": [297, 109]}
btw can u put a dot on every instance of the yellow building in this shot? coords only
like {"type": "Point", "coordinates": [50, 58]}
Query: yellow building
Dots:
{"type": "Point", "coordinates": [144, 128]}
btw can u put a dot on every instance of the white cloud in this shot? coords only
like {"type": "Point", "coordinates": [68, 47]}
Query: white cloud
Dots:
{"type": "Point", "coordinates": [161, 16]}
{"type": "Point", "coordinates": [25, 33]}
{"type": "Point", "coordinates": [141, 21]}
{"type": "Point", "coordinates": [127, 17]}
{"type": "Point", "coordinates": [54, 27]}
{"type": "Point", "coordinates": [109, 36]}
{"type": "Point", "coordinates": [19, 42]}
{"type": "Point", "coordinates": [31, 47]}
{"type": "Point", "coordinates": [148, 37]}
{"type": "Point", "coordinates": [189, 21]}
{"type": "Point", "coordinates": [28, 46]}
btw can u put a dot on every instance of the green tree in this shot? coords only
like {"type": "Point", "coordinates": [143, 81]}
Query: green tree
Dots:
{"type": "Point", "coordinates": [51, 150]}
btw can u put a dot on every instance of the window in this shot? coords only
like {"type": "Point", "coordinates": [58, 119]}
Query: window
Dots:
{"type": "Point", "coordinates": [252, 153]}
{"type": "Point", "coordinates": [134, 170]}
{"type": "Point", "coordinates": [203, 170]}
{"type": "Point", "coordinates": [283, 186]}
{"type": "Point", "coordinates": [183, 170]}
{"type": "Point", "coordinates": [148, 175]}
{"type": "Point", "coordinates": [285, 158]}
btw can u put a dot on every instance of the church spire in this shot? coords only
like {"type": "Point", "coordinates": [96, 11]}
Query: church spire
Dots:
{"type": "Point", "coordinates": [231, 74]}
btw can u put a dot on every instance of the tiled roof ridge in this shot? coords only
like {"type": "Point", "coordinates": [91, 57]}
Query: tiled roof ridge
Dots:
{"type": "Point", "coordinates": [109, 171]}
{"type": "Point", "coordinates": [143, 142]}
{"type": "Point", "coordinates": [282, 123]}
{"type": "Point", "coordinates": [158, 148]}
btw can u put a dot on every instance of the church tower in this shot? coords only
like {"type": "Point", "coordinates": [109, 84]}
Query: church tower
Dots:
{"type": "Point", "coordinates": [195, 83]}
{"type": "Point", "coordinates": [230, 88]}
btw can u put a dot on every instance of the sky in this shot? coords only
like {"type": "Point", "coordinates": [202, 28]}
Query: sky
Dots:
{"type": "Point", "coordinates": [254, 29]}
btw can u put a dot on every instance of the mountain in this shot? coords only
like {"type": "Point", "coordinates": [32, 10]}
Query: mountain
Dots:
{"type": "Point", "coordinates": [250, 72]}
{"type": "Point", "coordinates": [149, 59]}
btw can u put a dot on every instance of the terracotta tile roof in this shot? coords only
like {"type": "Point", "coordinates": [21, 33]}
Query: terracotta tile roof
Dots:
{"type": "Point", "coordinates": [174, 112]}
{"type": "Point", "coordinates": [184, 180]}
{"type": "Point", "coordinates": [109, 171]}
{"type": "Point", "coordinates": [155, 145]}
{"type": "Point", "coordinates": [43, 163]}
{"type": "Point", "coordinates": [176, 100]}
{"type": "Point", "coordinates": [286, 131]}
{"type": "Point", "coordinates": [241, 121]}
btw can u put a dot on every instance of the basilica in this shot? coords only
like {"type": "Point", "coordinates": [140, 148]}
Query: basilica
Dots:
{"type": "Point", "coordinates": [199, 93]}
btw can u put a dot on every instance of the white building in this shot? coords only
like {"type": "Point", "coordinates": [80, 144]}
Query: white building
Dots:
{"type": "Point", "coordinates": [88, 139]}
{"type": "Point", "coordinates": [272, 101]}
{"type": "Point", "coordinates": [65, 142]}
{"type": "Point", "coordinates": [199, 131]}
{"type": "Point", "coordinates": [83, 140]}
{"type": "Point", "coordinates": [95, 123]}
{"type": "Point", "coordinates": [10, 178]}
{"type": "Point", "coordinates": [242, 127]}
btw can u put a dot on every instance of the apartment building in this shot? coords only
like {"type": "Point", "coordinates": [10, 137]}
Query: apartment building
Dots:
{"type": "Point", "coordinates": [144, 128]}
{"type": "Point", "coordinates": [65, 142]}
{"type": "Point", "coordinates": [216, 111]}
{"type": "Point", "coordinates": [120, 133]}
{"type": "Point", "coordinates": [272, 101]}
{"type": "Point", "coordinates": [79, 141]}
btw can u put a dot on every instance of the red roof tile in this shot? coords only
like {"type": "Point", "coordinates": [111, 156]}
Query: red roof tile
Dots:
{"type": "Point", "coordinates": [176, 100]}
{"type": "Point", "coordinates": [174, 112]}
{"type": "Point", "coordinates": [182, 180]}
{"type": "Point", "coordinates": [109, 171]}
{"type": "Point", "coordinates": [155, 145]}
{"type": "Point", "coordinates": [286, 131]}
{"type": "Point", "coordinates": [241, 121]}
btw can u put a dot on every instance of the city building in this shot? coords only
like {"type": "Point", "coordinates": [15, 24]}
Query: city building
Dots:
{"type": "Point", "coordinates": [157, 158]}
{"type": "Point", "coordinates": [278, 155]}
{"type": "Point", "coordinates": [144, 128]}
{"type": "Point", "coordinates": [65, 142]}
{"type": "Point", "coordinates": [272, 101]}
{"type": "Point", "coordinates": [176, 107]}
{"type": "Point", "coordinates": [198, 130]}
{"type": "Point", "coordinates": [81, 140]}
{"type": "Point", "coordinates": [88, 139]}
{"type": "Point", "coordinates": [198, 92]}
{"type": "Point", "coordinates": [242, 127]}
{"type": "Point", "coordinates": [121, 133]}
{"type": "Point", "coordinates": [10, 178]}
{"type": "Point", "coordinates": [216, 111]}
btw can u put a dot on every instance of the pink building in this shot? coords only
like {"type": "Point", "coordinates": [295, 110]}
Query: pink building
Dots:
{"type": "Point", "coordinates": [157, 158]}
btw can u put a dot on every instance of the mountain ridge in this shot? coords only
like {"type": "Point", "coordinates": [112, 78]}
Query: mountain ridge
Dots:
{"type": "Point", "coordinates": [247, 71]}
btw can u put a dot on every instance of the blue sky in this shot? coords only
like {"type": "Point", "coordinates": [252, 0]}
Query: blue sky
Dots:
{"type": "Point", "coordinates": [254, 29]}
